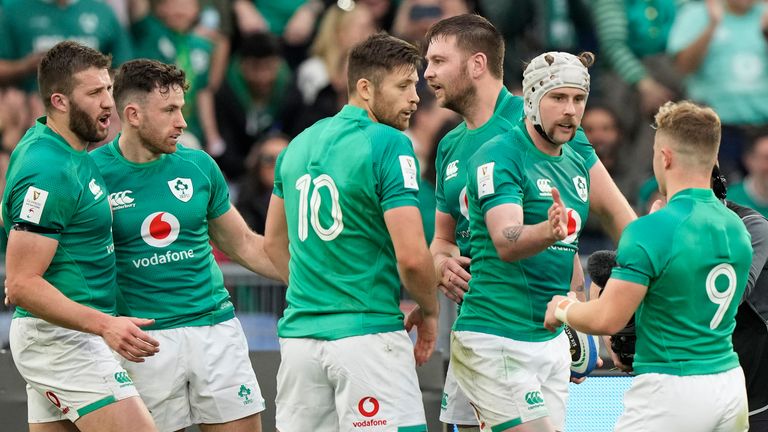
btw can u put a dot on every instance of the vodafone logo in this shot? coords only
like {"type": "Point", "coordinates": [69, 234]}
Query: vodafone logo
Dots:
{"type": "Point", "coordinates": [160, 229]}
{"type": "Point", "coordinates": [464, 203]}
{"type": "Point", "coordinates": [368, 406]}
{"type": "Point", "coordinates": [574, 226]}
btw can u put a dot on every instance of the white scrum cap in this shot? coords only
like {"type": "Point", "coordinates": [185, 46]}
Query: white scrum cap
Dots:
{"type": "Point", "coordinates": [549, 71]}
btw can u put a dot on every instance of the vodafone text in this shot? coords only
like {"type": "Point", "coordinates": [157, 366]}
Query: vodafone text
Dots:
{"type": "Point", "coordinates": [156, 259]}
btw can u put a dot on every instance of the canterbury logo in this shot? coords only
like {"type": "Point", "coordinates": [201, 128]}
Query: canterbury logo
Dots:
{"type": "Point", "coordinates": [120, 198]}
{"type": "Point", "coordinates": [534, 398]}
{"type": "Point", "coordinates": [122, 377]}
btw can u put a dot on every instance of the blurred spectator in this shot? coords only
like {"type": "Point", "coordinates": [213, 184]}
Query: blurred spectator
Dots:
{"type": "Point", "coordinates": [293, 21]}
{"type": "Point", "coordinates": [28, 28]}
{"type": "Point", "coordinates": [383, 12]}
{"type": "Point", "coordinates": [721, 46]}
{"type": "Point", "coordinates": [632, 36]}
{"type": "Point", "coordinates": [256, 187]}
{"type": "Point", "coordinates": [320, 85]}
{"type": "Point", "coordinates": [249, 102]}
{"type": "Point", "coordinates": [532, 26]}
{"type": "Point", "coordinates": [165, 33]}
{"type": "Point", "coordinates": [601, 125]}
{"type": "Point", "coordinates": [752, 192]}
{"type": "Point", "coordinates": [216, 24]}
{"type": "Point", "coordinates": [414, 17]}
{"type": "Point", "coordinates": [12, 127]}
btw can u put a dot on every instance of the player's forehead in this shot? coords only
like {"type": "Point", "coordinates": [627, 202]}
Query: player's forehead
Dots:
{"type": "Point", "coordinates": [401, 73]}
{"type": "Point", "coordinates": [173, 94]}
{"type": "Point", "coordinates": [443, 45]}
{"type": "Point", "coordinates": [91, 79]}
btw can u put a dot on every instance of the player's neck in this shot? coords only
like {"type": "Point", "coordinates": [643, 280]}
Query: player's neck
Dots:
{"type": "Point", "coordinates": [544, 146]}
{"type": "Point", "coordinates": [686, 179]}
{"type": "Point", "coordinates": [132, 149]}
{"type": "Point", "coordinates": [59, 124]}
{"type": "Point", "coordinates": [486, 98]}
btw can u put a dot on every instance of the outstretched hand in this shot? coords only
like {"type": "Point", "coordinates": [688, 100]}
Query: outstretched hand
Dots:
{"type": "Point", "coordinates": [558, 217]}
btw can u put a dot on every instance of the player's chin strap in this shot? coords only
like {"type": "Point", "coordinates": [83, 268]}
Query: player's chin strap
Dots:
{"type": "Point", "coordinates": [543, 134]}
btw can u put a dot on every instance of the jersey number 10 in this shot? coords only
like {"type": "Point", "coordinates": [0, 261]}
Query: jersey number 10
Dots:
{"type": "Point", "coordinates": [314, 202]}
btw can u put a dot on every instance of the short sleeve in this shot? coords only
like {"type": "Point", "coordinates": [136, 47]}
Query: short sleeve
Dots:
{"type": "Point", "coordinates": [633, 257]}
{"type": "Point", "coordinates": [396, 171]}
{"type": "Point", "coordinates": [495, 178]}
{"type": "Point", "coordinates": [218, 203]}
{"type": "Point", "coordinates": [47, 200]}
{"type": "Point", "coordinates": [277, 189]}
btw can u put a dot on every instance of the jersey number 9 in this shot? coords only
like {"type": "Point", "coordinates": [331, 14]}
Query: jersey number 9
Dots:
{"type": "Point", "coordinates": [721, 298]}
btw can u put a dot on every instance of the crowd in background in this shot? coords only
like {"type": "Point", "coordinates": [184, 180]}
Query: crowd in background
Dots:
{"type": "Point", "coordinates": [261, 71]}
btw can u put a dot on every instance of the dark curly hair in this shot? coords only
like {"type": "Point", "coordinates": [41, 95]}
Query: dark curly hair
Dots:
{"type": "Point", "coordinates": [143, 76]}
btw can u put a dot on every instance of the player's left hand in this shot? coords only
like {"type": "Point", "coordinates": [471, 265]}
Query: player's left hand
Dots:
{"type": "Point", "coordinates": [550, 322]}
{"type": "Point", "coordinates": [426, 334]}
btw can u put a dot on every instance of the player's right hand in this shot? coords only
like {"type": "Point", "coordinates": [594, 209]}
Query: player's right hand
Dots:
{"type": "Point", "coordinates": [558, 217]}
{"type": "Point", "coordinates": [426, 338]}
{"type": "Point", "coordinates": [454, 278]}
{"type": "Point", "coordinates": [125, 337]}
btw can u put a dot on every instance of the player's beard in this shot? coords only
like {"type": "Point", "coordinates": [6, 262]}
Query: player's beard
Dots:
{"type": "Point", "coordinates": [150, 143]}
{"type": "Point", "coordinates": [385, 114]}
{"type": "Point", "coordinates": [551, 134]}
{"type": "Point", "coordinates": [85, 127]}
{"type": "Point", "coordinates": [462, 96]}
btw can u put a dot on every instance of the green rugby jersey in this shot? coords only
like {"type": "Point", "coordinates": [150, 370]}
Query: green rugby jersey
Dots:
{"type": "Point", "coordinates": [35, 26]}
{"type": "Point", "coordinates": [337, 178]}
{"type": "Point", "coordinates": [458, 145]}
{"type": "Point", "coordinates": [165, 268]}
{"type": "Point", "coordinates": [694, 255]}
{"type": "Point", "coordinates": [509, 299]}
{"type": "Point", "coordinates": [60, 189]}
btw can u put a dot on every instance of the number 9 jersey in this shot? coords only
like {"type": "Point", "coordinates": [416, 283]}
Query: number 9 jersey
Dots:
{"type": "Point", "coordinates": [694, 256]}
{"type": "Point", "coordinates": [337, 178]}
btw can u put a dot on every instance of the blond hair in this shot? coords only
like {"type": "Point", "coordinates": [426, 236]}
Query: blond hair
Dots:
{"type": "Point", "coordinates": [694, 131]}
{"type": "Point", "coordinates": [326, 44]}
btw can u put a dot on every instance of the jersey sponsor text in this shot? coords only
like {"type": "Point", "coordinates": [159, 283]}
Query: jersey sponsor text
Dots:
{"type": "Point", "coordinates": [158, 259]}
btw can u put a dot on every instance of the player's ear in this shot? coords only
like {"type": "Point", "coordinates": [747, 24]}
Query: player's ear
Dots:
{"type": "Point", "coordinates": [478, 64]}
{"type": "Point", "coordinates": [60, 102]}
{"type": "Point", "coordinates": [364, 89]}
{"type": "Point", "coordinates": [131, 115]}
{"type": "Point", "coordinates": [667, 157]}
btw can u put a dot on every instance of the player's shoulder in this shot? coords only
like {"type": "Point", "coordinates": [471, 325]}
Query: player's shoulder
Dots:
{"type": "Point", "coordinates": [196, 156]}
{"type": "Point", "coordinates": [513, 111]}
{"type": "Point", "coordinates": [102, 155]}
{"type": "Point", "coordinates": [380, 132]}
{"type": "Point", "coordinates": [658, 225]}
